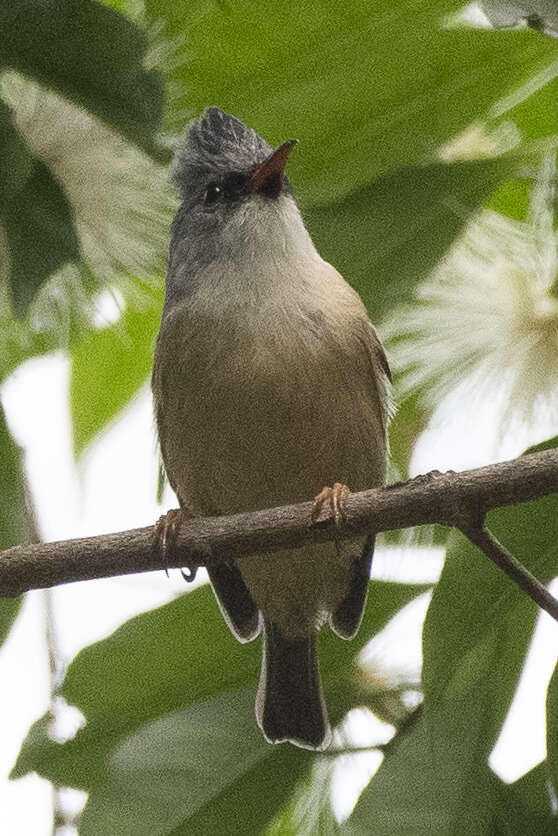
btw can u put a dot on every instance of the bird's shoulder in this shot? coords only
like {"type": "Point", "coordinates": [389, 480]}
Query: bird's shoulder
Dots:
{"type": "Point", "coordinates": [344, 306]}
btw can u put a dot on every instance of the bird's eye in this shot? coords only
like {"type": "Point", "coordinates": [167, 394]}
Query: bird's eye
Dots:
{"type": "Point", "coordinates": [213, 193]}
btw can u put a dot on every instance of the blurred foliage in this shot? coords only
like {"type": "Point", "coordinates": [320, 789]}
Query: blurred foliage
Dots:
{"type": "Point", "coordinates": [477, 633]}
{"type": "Point", "coordinates": [40, 233]}
{"type": "Point", "coordinates": [310, 808]}
{"type": "Point", "coordinates": [400, 112]}
{"type": "Point", "coordinates": [16, 523]}
{"type": "Point", "coordinates": [376, 91]}
{"type": "Point", "coordinates": [418, 792]}
{"type": "Point", "coordinates": [163, 667]}
{"type": "Point", "coordinates": [474, 600]}
{"type": "Point", "coordinates": [90, 53]}
{"type": "Point", "coordinates": [95, 56]}
{"type": "Point", "coordinates": [35, 214]}
{"type": "Point", "coordinates": [406, 214]}
{"type": "Point", "coordinates": [125, 347]}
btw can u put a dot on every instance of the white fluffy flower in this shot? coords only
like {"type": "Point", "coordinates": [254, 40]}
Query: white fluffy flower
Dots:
{"type": "Point", "coordinates": [485, 322]}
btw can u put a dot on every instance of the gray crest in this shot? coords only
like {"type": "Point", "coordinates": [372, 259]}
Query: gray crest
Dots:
{"type": "Point", "coordinates": [214, 144]}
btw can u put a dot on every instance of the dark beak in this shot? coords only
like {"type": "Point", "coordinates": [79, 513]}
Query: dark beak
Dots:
{"type": "Point", "coordinates": [268, 177]}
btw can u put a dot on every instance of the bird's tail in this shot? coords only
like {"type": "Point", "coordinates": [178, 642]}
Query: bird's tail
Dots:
{"type": "Point", "coordinates": [290, 705]}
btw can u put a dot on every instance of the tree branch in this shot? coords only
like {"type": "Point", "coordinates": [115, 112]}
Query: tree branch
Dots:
{"type": "Point", "coordinates": [514, 569]}
{"type": "Point", "coordinates": [448, 499]}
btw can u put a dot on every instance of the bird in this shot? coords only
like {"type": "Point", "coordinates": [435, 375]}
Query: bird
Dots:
{"type": "Point", "coordinates": [270, 386]}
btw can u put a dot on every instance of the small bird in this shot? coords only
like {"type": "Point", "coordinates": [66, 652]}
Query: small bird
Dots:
{"type": "Point", "coordinates": [269, 383]}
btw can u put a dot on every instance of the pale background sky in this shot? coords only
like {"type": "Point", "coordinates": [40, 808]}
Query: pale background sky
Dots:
{"type": "Point", "coordinates": [115, 490]}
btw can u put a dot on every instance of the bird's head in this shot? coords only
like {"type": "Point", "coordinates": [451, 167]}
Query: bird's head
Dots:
{"type": "Point", "coordinates": [238, 216]}
{"type": "Point", "coordinates": [223, 164]}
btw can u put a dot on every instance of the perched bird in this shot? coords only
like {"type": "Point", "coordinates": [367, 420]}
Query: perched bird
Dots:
{"type": "Point", "coordinates": [269, 382]}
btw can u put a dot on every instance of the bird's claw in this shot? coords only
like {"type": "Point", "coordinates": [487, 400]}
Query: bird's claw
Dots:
{"type": "Point", "coordinates": [166, 532]}
{"type": "Point", "coordinates": [335, 497]}
{"type": "Point", "coordinates": [167, 528]}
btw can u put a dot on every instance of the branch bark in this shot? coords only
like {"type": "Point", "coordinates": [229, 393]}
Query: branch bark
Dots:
{"type": "Point", "coordinates": [448, 499]}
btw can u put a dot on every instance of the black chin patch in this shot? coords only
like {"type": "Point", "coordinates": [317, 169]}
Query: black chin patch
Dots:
{"type": "Point", "coordinates": [272, 185]}
{"type": "Point", "coordinates": [235, 185]}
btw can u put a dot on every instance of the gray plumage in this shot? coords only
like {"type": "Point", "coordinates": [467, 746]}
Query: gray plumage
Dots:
{"type": "Point", "coordinates": [269, 382]}
{"type": "Point", "coordinates": [218, 143]}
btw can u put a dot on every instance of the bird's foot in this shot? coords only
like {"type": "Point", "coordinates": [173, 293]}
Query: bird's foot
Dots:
{"type": "Point", "coordinates": [335, 498]}
{"type": "Point", "coordinates": [166, 533]}
{"type": "Point", "coordinates": [166, 529]}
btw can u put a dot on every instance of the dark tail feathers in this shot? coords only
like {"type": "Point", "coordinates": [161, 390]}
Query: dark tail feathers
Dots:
{"type": "Point", "coordinates": [290, 705]}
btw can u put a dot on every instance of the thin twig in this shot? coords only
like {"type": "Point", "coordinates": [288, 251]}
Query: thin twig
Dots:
{"type": "Point", "coordinates": [483, 539]}
{"type": "Point", "coordinates": [435, 498]}
{"type": "Point", "coordinates": [58, 816]}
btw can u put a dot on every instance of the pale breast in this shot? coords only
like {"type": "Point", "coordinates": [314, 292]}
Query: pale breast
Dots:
{"type": "Point", "coordinates": [262, 401]}
{"type": "Point", "coordinates": [254, 415]}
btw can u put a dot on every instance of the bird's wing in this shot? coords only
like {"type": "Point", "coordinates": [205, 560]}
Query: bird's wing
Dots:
{"type": "Point", "coordinates": [380, 375]}
{"type": "Point", "coordinates": [345, 620]}
{"type": "Point", "coordinates": [379, 353]}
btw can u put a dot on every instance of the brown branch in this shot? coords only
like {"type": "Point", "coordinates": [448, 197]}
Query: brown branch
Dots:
{"type": "Point", "coordinates": [447, 499]}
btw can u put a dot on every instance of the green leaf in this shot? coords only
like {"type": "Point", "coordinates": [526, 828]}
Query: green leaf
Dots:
{"type": "Point", "coordinates": [15, 525]}
{"type": "Point", "coordinates": [50, 326]}
{"type": "Point", "coordinates": [535, 112]}
{"type": "Point", "coordinates": [549, 444]}
{"type": "Point", "coordinates": [108, 367]}
{"type": "Point", "coordinates": [35, 214]}
{"type": "Point", "coordinates": [474, 598]}
{"type": "Point", "coordinates": [476, 636]}
{"type": "Point", "coordinates": [408, 423]}
{"type": "Point", "coordinates": [387, 236]}
{"type": "Point", "coordinates": [16, 163]}
{"type": "Point", "coordinates": [309, 810]}
{"type": "Point", "coordinates": [9, 608]}
{"type": "Point", "coordinates": [552, 727]}
{"type": "Point", "coordinates": [168, 660]}
{"type": "Point", "coordinates": [419, 787]}
{"type": "Point", "coordinates": [89, 53]}
{"type": "Point", "coordinates": [270, 781]}
{"type": "Point", "coordinates": [41, 234]}
{"type": "Point", "coordinates": [532, 109]}
{"type": "Point", "coordinates": [512, 199]}
{"type": "Point", "coordinates": [533, 791]}
{"type": "Point", "coordinates": [526, 806]}
{"type": "Point", "coordinates": [382, 86]}
{"type": "Point", "coordinates": [416, 791]}
{"type": "Point", "coordinates": [209, 748]}
{"type": "Point", "coordinates": [132, 8]}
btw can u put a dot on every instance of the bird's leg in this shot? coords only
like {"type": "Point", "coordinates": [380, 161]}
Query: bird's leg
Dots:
{"type": "Point", "coordinates": [166, 533]}
{"type": "Point", "coordinates": [335, 497]}
{"type": "Point", "coordinates": [167, 528]}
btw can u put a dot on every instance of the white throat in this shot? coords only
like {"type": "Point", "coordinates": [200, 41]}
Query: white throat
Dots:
{"type": "Point", "coordinates": [264, 245]}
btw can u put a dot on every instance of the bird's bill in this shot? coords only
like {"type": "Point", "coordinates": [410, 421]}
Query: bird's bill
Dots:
{"type": "Point", "coordinates": [274, 167]}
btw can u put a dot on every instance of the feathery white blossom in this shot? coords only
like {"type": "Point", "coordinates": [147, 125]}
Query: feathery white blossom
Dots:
{"type": "Point", "coordinates": [486, 321]}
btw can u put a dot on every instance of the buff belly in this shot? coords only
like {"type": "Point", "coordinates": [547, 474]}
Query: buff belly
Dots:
{"type": "Point", "coordinates": [259, 435]}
